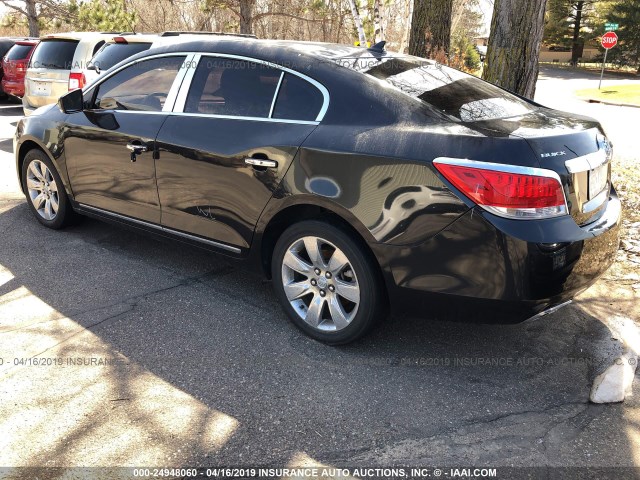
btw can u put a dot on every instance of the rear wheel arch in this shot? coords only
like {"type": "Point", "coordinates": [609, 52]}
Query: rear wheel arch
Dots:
{"type": "Point", "coordinates": [293, 214]}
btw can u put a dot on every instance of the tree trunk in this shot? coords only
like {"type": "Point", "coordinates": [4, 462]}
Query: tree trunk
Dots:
{"type": "Point", "coordinates": [431, 28]}
{"type": "Point", "coordinates": [407, 30]}
{"type": "Point", "coordinates": [378, 34]}
{"type": "Point", "coordinates": [514, 45]}
{"type": "Point", "coordinates": [358, 22]}
{"type": "Point", "coordinates": [575, 46]}
{"type": "Point", "coordinates": [246, 16]}
{"type": "Point", "coordinates": [32, 18]}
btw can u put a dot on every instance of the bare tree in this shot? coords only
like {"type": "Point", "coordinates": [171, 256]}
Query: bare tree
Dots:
{"type": "Point", "coordinates": [29, 10]}
{"type": "Point", "coordinates": [514, 45]}
{"type": "Point", "coordinates": [378, 33]}
{"type": "Point", "coordinates": [430, 28]}
{"type": "Point", "coordinates": [246, 16]}
{"type": "Point", "coordinates": [358, 22]}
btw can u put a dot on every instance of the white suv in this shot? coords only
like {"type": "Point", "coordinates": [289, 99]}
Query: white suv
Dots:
{"type": "Point", "coordinates": [116, 49]}
{"type": "Point", "coordinates": [57, 66]}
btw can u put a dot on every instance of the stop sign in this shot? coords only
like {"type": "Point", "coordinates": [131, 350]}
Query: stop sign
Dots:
{"type": "Point", "coordinates": [609, 40]}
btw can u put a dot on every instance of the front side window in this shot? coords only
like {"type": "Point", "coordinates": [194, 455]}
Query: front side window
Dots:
{"type": "Point", "coordinates": [143, 86]}
{"type": "Point", "coordinates": [223, 86]}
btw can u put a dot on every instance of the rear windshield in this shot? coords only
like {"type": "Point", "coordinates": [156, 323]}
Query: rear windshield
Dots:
{"type": "Point", "coordinates": [19, 52]}
{"type": "Point", "coordinates": [54, 54]}
{"type": "Point", "coordinates": [464, 97]}
{"type": "Point", "coordinates": [112, 53]}
{"type": "Point", "coordinates": [5, 45]}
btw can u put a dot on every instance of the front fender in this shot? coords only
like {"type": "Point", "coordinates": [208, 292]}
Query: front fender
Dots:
{"type": "Point", "coordinates": [44, 133]}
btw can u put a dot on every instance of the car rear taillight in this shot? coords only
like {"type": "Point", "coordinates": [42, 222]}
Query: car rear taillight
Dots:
{"type": "Point", "coordinates": [507, 190]}
{"type": "Point", "coordinates": [76, 80]}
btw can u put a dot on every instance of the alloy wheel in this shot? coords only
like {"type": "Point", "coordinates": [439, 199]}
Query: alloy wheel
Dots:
{"type": "Point", "coordinates": [43, 190]}
{"type": "Point", "coordinates": [320, 283]}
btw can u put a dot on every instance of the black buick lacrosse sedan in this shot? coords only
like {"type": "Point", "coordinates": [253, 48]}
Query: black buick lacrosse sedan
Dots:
{"type": "Point", "coordinates": [358, 180]}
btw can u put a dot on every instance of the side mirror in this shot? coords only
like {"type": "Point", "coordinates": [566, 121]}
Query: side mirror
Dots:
{"type": "Point", "coordinates": [71, 102]}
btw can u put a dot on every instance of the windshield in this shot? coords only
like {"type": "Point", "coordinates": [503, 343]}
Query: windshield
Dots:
{"type": "Point", "coordinates": [54, 54]}
{"type": "Point", "coordinates": [113, 53]}
{"type": "Point", "coordinates": [19, 52]}
{"type": "Point", "coordinates": [456, 94]}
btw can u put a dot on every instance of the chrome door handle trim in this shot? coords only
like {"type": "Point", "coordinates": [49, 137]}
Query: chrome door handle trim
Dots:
{"type": "Point", "coordinates": [259, 162]}
{"type": "Point", "coordinates": [137, 148]}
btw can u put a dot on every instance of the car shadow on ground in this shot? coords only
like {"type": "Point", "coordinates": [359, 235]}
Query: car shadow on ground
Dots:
{"type": "Point", "coordinates": [413, 390]}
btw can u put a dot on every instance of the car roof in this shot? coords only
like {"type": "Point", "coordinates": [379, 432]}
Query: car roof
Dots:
{"type": "Point", "coordinates": [77, 35]}
{"type": "Point", "coordinates": [297, 55]}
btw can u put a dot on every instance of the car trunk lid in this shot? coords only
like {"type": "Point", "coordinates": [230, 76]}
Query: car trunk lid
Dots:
{"type": "Point", "coordinates": [574, 147]}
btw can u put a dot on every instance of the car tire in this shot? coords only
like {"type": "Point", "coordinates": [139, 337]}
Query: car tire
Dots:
{"type": "Point", "coordinates": [326, 282]}
{"type": "Point", "coordinates": [45, 191]}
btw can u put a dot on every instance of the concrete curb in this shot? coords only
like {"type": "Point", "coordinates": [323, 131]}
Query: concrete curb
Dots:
{"type": "Point", "coordinates": [604, 102]}
{"type": "Point", "coordinates": [614, 384]}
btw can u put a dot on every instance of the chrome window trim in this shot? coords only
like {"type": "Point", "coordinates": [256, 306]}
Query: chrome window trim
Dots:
{"type": "Point", "coordinates": [586, 162]}
{"type": "Point", "coordinates": [275, 94]}
{"type": "Point", "coordinates": [500, 167]}
{"type": "Point", "coordinates": [100, 80]}
{"type": "Point", "coordinates": [237, 117]}
{"type": "Point", "coordinates": [161, 228]}
{"type": "Point", "coordinates": [177, 83]}
{"type": "Point", "coordinates": [186, 84]}
{"type": "Point", "coordinates": [191, 68]}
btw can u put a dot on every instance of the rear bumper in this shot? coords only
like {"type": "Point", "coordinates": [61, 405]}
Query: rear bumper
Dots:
{"type": "Point", "coordinates": [27, 108]}
{"type": "Point", "coordinates": [493, 269]}
{"type": "Point", "coordinates": [13, 87]}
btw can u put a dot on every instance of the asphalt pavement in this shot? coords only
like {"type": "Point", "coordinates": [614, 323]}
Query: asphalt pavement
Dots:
{"type": "Point", "coordinates": [120, 349]}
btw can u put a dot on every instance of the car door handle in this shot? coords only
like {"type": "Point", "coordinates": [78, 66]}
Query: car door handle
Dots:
{"type": "Point", "coordinates": [136, 148]}
{"type": "Point", "coordinates": [261, 162]}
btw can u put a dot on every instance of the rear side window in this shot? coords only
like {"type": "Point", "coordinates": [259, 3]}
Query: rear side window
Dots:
{"type": "Point", "coordinates": [297, 99]}
{"type": "Point", "coordinates": [113, 53]}
{"type": "Point", "coordinates": [143, 86]}
{"type": "Point", "coordinates": [456, 94]}
{"type": "Point", "coordinates": [232, 87]}
{"type": "Point", "coordinates": [54, 54]}
{"type": "Point", "coordinates": [19, 52]}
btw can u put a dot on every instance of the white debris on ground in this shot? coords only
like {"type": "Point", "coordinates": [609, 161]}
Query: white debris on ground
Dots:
{"type": "Point", "coordinates": [615, 383]}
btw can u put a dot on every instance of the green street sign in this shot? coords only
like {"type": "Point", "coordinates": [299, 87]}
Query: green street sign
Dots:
{"type": "Point", "coordinates": [610, 27]}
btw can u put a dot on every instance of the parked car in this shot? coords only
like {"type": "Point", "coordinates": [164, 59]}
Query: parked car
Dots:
{"type": "Point", "coordinates": [114, 50]}
{"type": "Point", "coordinates": [356, 179]}
{"type": "Point", "coordinates": [14, 67]}
{"type": "Point", "coordinates": [57, 66]}
{"type": "Point", "coordinates": [5, 45]}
